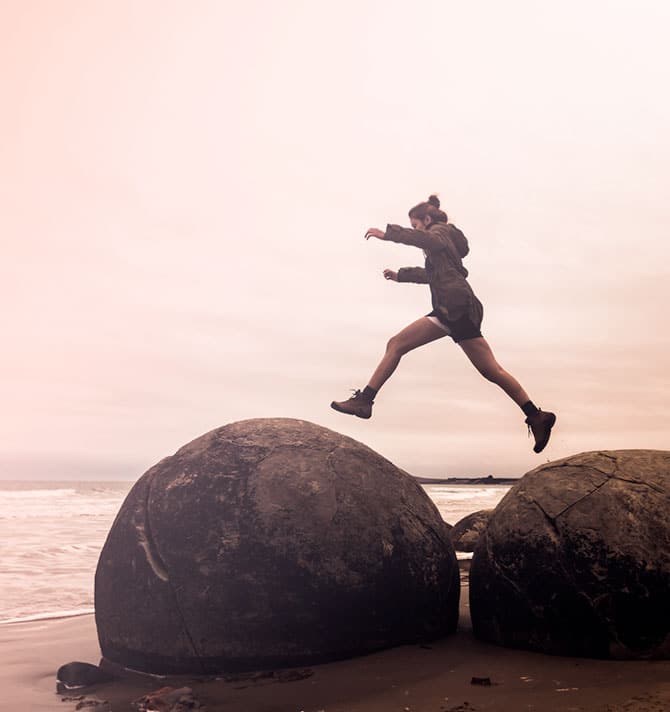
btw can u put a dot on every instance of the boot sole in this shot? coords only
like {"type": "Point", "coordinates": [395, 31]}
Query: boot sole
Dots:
{"type": "Point", "coordinates": [336, 407]}
{"type": "Point", "coordinates": [543, 443]}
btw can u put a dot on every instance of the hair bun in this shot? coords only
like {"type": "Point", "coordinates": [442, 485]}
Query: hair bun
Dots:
{"type": "Point", "coordinates": [434, 200]}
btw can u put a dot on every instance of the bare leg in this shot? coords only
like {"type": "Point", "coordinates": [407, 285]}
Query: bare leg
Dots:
{"type": "Point", "coordinates": [419, 332]}
{"type": "Point", "coordinates": [479, 352]}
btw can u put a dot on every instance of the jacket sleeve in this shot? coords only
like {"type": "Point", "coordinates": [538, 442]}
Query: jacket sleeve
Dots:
{"type": "Point", "coordinates": [418, 238]}
{"type": "Point", "coordinates": [413, 274]}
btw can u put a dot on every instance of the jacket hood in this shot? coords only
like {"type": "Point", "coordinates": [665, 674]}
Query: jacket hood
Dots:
{"type": "Point", "coordinates": [458, 239]}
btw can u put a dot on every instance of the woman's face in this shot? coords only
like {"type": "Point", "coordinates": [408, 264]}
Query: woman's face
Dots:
{"type": "Point", "coordinates": [419, 224]}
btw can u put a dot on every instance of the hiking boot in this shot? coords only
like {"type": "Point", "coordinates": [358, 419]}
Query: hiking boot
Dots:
{"type": "Point", "coordinates": [358, 405]}
{"type": "Point", "coordinates": [540, 424]}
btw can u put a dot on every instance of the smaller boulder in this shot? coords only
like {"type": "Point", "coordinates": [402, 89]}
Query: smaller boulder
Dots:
{"type": "Point", "coordinates": [466, 532]}
{"type": "Point", "coordinates": [74, 675]}
{"type": "Point", "coordinates": [575, 560]}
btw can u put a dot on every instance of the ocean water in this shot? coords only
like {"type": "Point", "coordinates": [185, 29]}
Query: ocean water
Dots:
{"type": "Point", "coordinates": [457, 501]}
{"type": "Point", "coordinates": [51, 534]}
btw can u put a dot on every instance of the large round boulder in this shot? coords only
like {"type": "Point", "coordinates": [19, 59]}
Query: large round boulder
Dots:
{"type": "Point", "coordinates": [576, 559]}
{"type": "Point", "coordinates": [466, 532]}
{"type": "Point", "coordinates": [272, 543]}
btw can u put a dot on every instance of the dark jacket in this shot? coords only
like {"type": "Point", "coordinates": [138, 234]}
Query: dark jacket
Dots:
{"type": "Point", "coordinates": [444, 245]}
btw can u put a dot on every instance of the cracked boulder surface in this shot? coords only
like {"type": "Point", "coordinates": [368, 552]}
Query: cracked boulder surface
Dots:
{"type": "Point", "coordinates": [575, 559]}
{"type": "Point", "coordinates": [466, 532]}
{"type": "Point", "coordinates": [272, 543]}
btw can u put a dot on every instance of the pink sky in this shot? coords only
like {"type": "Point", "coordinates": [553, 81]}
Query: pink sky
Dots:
{"type": "Point", "coordinates": [184, 187]}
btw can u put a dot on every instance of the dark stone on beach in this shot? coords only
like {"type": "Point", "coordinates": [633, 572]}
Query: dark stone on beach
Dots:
{"type": "Point", "coordinates": [75, 674]}
{"type": "Point", "coordinates": [483, 681]}
{"type": "Point", "coordinates": [466, 532]}
{"type": "Point", "coordinates": [575, 559]}
{"type": "Point", "coordinates": [272, 543]}
{"type": "Point", "coordinates": [94, 703]}
{"type": "Point", "coordinates": [168, 699]}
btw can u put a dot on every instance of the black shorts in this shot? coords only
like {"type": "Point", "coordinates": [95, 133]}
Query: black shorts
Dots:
{"type": "Point", "coordinates": [459, 329]}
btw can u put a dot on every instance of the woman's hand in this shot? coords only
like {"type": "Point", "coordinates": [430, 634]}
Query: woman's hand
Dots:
{"type": "Point", "coordinates": [390, 274]}
{"type": "Point", "coordinates": [375, 232]}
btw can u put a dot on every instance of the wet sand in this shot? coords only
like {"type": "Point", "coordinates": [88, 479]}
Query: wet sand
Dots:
{"type": "Point", "coordinates": [413, 678]}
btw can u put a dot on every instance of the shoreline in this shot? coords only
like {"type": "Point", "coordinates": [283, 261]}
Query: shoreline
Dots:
{"type": "Point", "coordinates": [434, 677]}
{"type": "Point", "coordinates": [47, 616]}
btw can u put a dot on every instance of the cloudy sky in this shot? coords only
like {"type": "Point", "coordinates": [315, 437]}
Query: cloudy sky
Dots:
{"type": "Point", "coordinates": [184, 188]}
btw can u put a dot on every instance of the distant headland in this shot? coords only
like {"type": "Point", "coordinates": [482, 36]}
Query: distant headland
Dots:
{"type": "Point", "coordinates": [490, 480]}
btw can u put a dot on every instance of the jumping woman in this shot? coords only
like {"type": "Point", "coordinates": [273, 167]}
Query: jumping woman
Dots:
{"type": "Point", "coordinates": [456, 313]}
